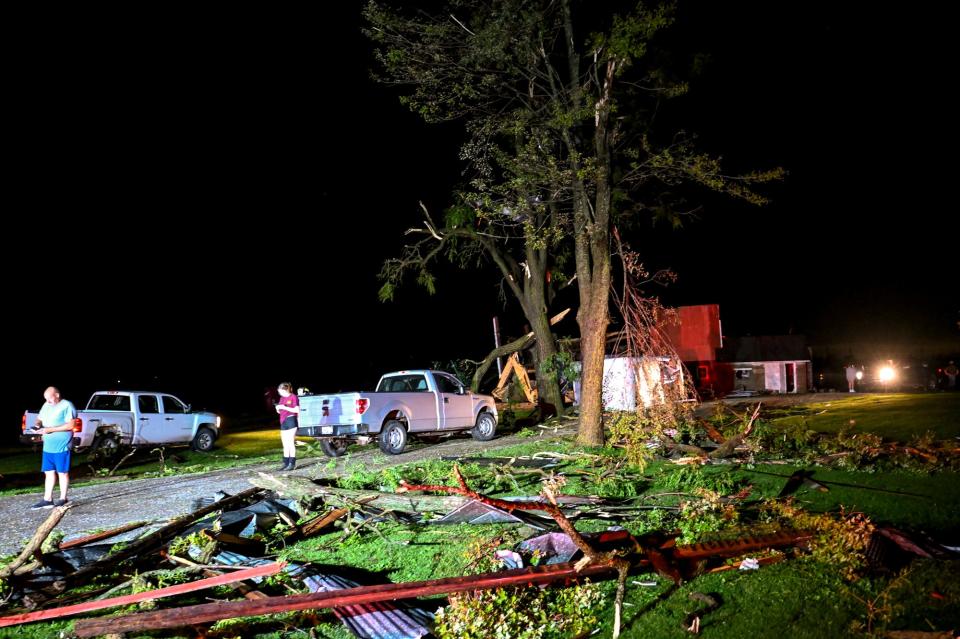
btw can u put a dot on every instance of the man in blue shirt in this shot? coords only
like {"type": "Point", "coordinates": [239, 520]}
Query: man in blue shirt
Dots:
{"type": "Point", "coordinates": [56, 423]}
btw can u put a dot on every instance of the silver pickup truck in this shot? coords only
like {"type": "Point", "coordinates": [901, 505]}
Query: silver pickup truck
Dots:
{"type": "Point", "coordinates": [134, 418]}
{"type": "Point", "coordinates": [421, 403]}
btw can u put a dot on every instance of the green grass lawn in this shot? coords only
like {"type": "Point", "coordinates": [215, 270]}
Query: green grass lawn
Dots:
{"type": "Point", "coordinates": [895, 416]}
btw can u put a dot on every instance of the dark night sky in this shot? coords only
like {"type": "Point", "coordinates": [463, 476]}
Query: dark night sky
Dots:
{"type": "Point", "coordinates": [202, 201]}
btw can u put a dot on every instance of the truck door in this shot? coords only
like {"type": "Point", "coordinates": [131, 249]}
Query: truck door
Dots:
{"type": "Point", "coordinates": [177, 423]}
{"type": "Point", "coordinates": [149, 421]}
{"type": "Point", "coordinates": [457, 407]}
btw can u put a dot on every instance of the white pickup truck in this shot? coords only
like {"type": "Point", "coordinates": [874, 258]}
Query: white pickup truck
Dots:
{"type": "Point", "coordinates": [422, 403]}
{"type": "Point", "coordinates": [134, 418]}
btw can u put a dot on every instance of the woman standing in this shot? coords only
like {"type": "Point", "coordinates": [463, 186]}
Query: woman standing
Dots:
{"type": "Point", "coordinates": [288, 408]}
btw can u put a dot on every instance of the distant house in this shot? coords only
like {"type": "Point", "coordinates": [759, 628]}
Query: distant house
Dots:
{"type": "Point", "coordinates": [720, 366]}
{"type": "Point", "coordinates": [768, 363]}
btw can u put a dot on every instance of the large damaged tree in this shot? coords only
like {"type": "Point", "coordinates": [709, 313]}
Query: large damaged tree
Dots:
{"type": "Point", "coordinates": [558, 99]}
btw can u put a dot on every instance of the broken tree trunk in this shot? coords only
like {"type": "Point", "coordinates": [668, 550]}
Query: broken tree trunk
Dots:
{"type": "Point", "coordinates": [33, 546]}
{"type": "Point", "coordinates": [169, 591]}
{"type": "Point", "coordinates": [302, 488]}
{"type": "Point", "coordinates": [160, 536]}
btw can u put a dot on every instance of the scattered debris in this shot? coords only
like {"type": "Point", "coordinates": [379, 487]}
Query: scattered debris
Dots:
{"type": "Point", "coordinates": [169, 591]}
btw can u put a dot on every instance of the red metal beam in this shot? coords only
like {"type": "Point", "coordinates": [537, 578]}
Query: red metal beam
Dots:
{"type": "Point", "coordinates": [169, 591]}
{"type": "Point", "coordinates": [204, 613]}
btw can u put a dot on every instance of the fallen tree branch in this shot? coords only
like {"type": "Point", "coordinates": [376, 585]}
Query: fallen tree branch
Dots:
{"type": "Point", "coordinates": [33, 546]}
{"type": "Point", "coordinates": [728, 447]}
{"type": "Point", "coordinates": [302, 488]}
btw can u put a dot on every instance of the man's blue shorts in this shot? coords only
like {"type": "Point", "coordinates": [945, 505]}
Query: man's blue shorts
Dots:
{"type": "Point", "coordinates": [59, 462]}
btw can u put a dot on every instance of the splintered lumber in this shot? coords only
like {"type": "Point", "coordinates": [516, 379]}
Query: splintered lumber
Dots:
{"type": "Point", "coordinates": [204, 613]}
{"type": "Point", "coordinates": [317, 524]}
{"type": "Point", "coordinates": [33, 546]}
{"type": "Point", "coordinates": [160, 536]}
{"type": "Point", "coordinates": [514, 366]}
{"type": "Point", "coordinates": [303, 488]}
{"type": "Point", "coordinates": [169, 591]}
{"type": "Point", "coordinates": [100, 536]}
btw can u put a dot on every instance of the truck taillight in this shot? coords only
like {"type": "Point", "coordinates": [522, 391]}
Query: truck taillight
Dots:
{"type": "Point", "coordinates": [77, 425]}
{"type": "Point", "coordinates": [362, 405]}
{"type": "Point", "coordinates": [23, 423]}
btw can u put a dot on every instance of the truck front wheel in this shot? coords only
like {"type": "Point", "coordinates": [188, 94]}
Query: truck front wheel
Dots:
{"type": "Point", "coordinates": [203, 441]}
{"type": "Point", "coordinates": [486, 427]}
{"type": "Point", "coordinates": [333, 447]}
{"type": "Point", "coordinates": [393, 437]}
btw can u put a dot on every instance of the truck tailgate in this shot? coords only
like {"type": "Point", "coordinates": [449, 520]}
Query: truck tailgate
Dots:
{"type": "Point", "coordinates": [320, 414]}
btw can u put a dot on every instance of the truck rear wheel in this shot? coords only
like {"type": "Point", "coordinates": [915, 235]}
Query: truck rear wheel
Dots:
{"type": "Point", "coordinates": [393, 437]}
{"type": "Point", "coordinates": [104, 447]}
{"type": "Point", "coordinates": [333, 447]}
{"type": "Point", "coordinates": [203, 441]}
{"type": "Point", "coordinates": [486, 427]}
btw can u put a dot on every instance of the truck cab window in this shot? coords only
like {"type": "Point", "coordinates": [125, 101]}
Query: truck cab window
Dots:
{"type": "Point", "coordinates": [172, 405]}
{"type": "Point", "coordinates": [109, 402]}
{"type": "Point", "coordinates": [446, 384]}
{"type": "Point", "coordinates": [404, 384]}
{"type": "Point", "coordinates": [148, 404]}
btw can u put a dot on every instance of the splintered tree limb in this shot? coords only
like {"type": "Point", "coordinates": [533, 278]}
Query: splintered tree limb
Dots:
{"type": "Point", "coordinates": [507, 349]}
{"type": "Point", "coordinates": [169, 591]}
{"type": "Point", "coordinates": [591, 554]}
{"type": "Point", "coordinates": [160, 536]}
{"type": "Point", "coordinates": [33, 546]}
{"type": "Point", "coordinates": [204, 613]}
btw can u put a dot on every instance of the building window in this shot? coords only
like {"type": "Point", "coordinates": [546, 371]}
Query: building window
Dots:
{"type": "Point", "coordinates": [743, 373]}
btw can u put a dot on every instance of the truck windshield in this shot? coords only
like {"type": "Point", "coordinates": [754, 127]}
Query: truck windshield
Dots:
{"type": "Point", "coordinates": [109, 402]}
{"type": "Point", "coordinates": [403, 384]}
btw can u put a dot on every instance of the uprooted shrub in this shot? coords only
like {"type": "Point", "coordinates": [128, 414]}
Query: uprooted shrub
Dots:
{"type": "Point", "coordinates": [840, 540]}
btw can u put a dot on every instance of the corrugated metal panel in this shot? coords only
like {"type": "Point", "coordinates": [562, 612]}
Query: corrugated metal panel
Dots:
{"type": "Point", "coordinates": [380, 620]}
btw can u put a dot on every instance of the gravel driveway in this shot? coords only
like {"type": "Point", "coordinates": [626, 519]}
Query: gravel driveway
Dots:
{"type": "Point", "coordinates": [114, 504]}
